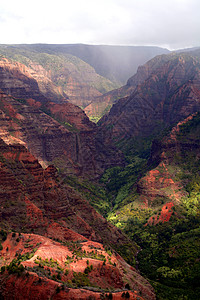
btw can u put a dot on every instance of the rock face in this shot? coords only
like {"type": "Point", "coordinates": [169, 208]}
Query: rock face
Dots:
{"type": "Point", "coordinates": [176, 154]}
{"type": "Point", "coordinates": [59, 75]}
{"type": "Point", "coordinates": [63, 136]}
{"type": "Point", "coordinates": [169, 94]}
{"type": "Point", "coordinates": [67, 114]}
{"type": "Point", "coordinates": [29, 192]}
{"type": "Point", "coordinates": [77, 152]}
{"type": "Point", "coordinates": [37, 201]}
{"type": "Point", "coordinates": [82, 73]}
{"type": "Point", "coordinates": [22, 82]}
{"type": "Point", "coordinates": [103, 104]}
{"type": "Point", "coordinates": [116, 63]}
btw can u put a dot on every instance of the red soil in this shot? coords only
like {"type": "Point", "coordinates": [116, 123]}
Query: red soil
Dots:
{"type": "Point", "coordinates": [28, 284]}
{"type": "Point", "coordinates": [165, 215]}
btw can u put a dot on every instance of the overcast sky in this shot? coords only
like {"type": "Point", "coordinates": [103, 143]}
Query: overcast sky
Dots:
{"type": "Point", "coordinates": [168, 23]}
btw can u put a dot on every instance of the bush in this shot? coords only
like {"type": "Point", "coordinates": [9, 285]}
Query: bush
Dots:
{"type": "Point", "coordinates": [58, 276]}
{"type": "Point", "coordinates": [3, 235]}
{"type": "Point", "coordinates": [127, 286]}
{"type": "Point", "coordinates": [14, 268]}
{"type": "Point", "coordinates": [127, 295]}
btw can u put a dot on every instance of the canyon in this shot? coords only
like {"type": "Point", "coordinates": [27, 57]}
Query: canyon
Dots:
{"type": "Point", "coordinates": [69, 133]}
{"type": "Point", "coordinates": [28, 198]}
{"type": "Point", "coordinates": [88, 209]}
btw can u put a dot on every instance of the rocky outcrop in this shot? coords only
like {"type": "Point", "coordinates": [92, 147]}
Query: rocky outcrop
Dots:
{"type": "Point", "coordinates": [31, 197]}
{"type": "Point", "coordinates": [43, 259]}
{"type": "Point", "coordinates": [102, 104]}
{"type": "Point", "coordinates": [117, 63]}
{"type": "Point", "coordinates": [168, 95]}
{"type": "Point", "coordinates": [75, 152]}
{"type": "Point", "coordinates": [82, 73]}
{"type": "Point", "coordinates": [176, 154]}
{"type": "Point", "coordinates": [37, 201]}
{"type": "Point", "coordinates": [22, 82]}
{"type": "Point", "coordinates": [79, 93]}
{"type": "Point", "coordinates": [62, 134]}
{"type": "Point", "coordinates": [67, 114]}
{"type": "Point", "coordinates": [59, 76]}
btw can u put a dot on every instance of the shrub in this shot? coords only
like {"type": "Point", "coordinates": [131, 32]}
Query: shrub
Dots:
{"type": "Point", "coordinates": [58, 276]}
{"type": "Point", "coordinates": [127, 295]}
{"type": "Point", "coordinates": [127, 286]}
{"type": "Point", "coordinates": [66, 272]}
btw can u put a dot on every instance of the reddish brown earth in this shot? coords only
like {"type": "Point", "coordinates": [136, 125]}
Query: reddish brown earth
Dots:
{"type": "Point", "coordinates": [163, 184]}
{"type": "Point", "coordinates": [33, 200]}
{"type": "Point", "coordinates": [66, 113]}
{"type": "Point", "coordinates": [160, 183]}
{"type": "Point", "coordinates": [29, 193]}
{"type": "Point", "coordinates": [165, 215]}
{"type": "Point", "coordinates": [23, 82]}
{"type": "Point", "coordinates": [75, 148]}
{"type": "Point", "coordinates": [58, 77]}
{"type": "Point", "coordinates": [113, 274]}
{"type": "Point", "coordinates": [33, 287]}
{"type": "Point", "coordinates": [168, 95]}
{"type": "Point", "coordinates": [80, 93]}
{"type": "Point", "coordinates": [102, 104]}
{"type": "Point", "coordinates": [52, 255]}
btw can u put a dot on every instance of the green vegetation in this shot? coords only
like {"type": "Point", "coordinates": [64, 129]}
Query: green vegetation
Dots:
{"type": "Point", "coordinates": [169, 252]}
{"type": "Point", "coordinates": [120, 181]}
{"type": "Point", "coordinates": [3, 235]}
{"type": "Point", "coordinates": [78, 253]}
{"type": "Point", "coordinates": [94, 193]}
{"type": "Point", "coordinates": [14, 268]}
{"type": "Point", "coordinates": [26, 256]}
{"type": "Point", "coordinates": [48, 262]}
{"type": "Point", "coordinates": [95, 119]}
{"type": "Point", "coordinates": [80, 280]}
{"type": "Point", "coordinates": [60, 65]}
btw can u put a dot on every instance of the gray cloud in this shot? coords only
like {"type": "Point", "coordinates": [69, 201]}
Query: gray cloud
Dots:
{"type": "Point", "coordinates": [171, 23]}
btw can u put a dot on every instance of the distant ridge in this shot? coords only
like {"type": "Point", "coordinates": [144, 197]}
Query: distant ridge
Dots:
{"type": "Point", "coordinates": [117, 63]}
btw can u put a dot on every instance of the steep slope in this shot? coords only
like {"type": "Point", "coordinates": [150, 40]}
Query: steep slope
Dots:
{"type": "Point", "coordinates": [163, 213]}
{"type": "Point", "coordinates": [155, 197]}
{"type": "Point", "coordinates": [75, 152]}
{"type": "Point", "coordinates": [72, 77]}
{"type": "Point", "coordinates": [75, 69]}
{"type": "Point", "coordinates": [24, 181]}
{"type": "Point", "coordinates": [168, 95]}
{"type": "Point", "coordinates": [34, 200]}
{"type": "Point", "coordinates": [23, 82]}
{"type": "Point", "coordinates": [49, 269]}
{"type": "Point", "coordinates": [116, 63]}
{"type": "Point", "coordinates": [102, 104]}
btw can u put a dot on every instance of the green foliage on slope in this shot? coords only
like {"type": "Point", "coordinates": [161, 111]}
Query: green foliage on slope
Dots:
{"type": "Point", "coordinates": [170, 251]}
{"type": "Point", "coordinates": [94, 193]}
{"type": "Point", "coordinates": [120, 181]}
{"type": "Point", "coordinates": [61, 66]}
